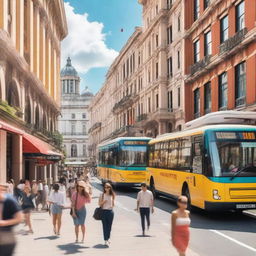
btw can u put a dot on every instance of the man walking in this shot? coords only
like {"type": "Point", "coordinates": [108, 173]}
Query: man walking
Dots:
{"type": "Point", "coordinates": [145, 203]}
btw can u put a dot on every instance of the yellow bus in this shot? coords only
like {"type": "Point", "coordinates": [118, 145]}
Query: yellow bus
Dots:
{"type": "Point", "coordinates": [214, 166]}
{"type": "Point", "coordinates": [122, 161]}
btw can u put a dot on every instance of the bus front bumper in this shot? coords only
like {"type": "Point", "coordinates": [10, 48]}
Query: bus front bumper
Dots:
{"type": "Point", "coordinates": [228, 206]}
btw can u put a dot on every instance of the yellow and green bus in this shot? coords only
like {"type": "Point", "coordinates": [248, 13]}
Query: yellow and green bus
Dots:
{"type": "Point", "coordinates": [214, 166]}
{"type": "Point", "coordinates": [122, 161]}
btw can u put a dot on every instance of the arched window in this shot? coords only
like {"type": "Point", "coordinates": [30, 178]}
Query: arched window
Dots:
{"type": "Point", "coordinates": [28, 111]}
{"type": "Point", "coordinates": [73, 150]}
{"type": "Point", "coordinates": [13, 96]}
{"type": "Point", "coordinates": [37, 118]}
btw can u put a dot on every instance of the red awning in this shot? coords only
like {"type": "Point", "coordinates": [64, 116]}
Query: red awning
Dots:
{"type": "Point", "coordinates": [10, 128]}
{"type": "Point", "coordinates": [33, 145]}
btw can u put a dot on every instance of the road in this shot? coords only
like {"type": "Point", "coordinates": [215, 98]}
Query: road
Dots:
{"type": "Point", "coordinates": [211, 235]}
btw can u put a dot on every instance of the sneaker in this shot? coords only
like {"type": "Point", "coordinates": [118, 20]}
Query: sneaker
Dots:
{"type": "Point", "coordinates": [106, 243]}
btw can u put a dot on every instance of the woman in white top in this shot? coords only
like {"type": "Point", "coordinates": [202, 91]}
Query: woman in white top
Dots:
{"type": "Point", "coordinates": [107, 202]}
{"type": "Point", "coordinates": [57, 202]}
{"type": "Point", "coordinates": [180, 226]}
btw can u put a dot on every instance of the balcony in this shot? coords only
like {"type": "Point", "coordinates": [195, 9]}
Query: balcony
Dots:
{"type": "Point", "coordinates": [232, 42]}
{"type": "Point", "coordinates": [125, 102]}
{"type": "Point", "coordinates": [74, 134]}
{"type": "Point", "coordinates": [240, 101]}
{"type": "Point", "coordinates": [141, 117]}
{"type": "Point", "coordinates": [94, 127]}
{"type": "Point", "coordinates": [200, 64]}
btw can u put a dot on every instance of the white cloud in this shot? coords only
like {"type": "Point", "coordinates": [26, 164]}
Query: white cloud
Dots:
{"type": "Point", "coordinates": [85, 43]}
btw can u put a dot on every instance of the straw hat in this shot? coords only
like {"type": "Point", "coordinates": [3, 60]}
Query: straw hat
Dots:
{"type": "Point", "coordinates": [81, 183]}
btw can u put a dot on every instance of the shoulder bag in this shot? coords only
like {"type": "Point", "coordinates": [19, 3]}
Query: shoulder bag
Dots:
{"type": "Point", "coordinates": [71, 210]}
{"type": "Point", "coordinates": [98, 212]}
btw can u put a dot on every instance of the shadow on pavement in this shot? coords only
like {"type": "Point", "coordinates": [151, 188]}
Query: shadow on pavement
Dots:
{"type": "Point", "coordinates": [47, 237]}
{"type": "Point", "coordinates": [143, 236]}
{"type": "Point", "coordinates": [72, 248]}
{"type": "Point", "coordinates": [100, 246]}
{"type": "Point", "coordinates": [232, 221]}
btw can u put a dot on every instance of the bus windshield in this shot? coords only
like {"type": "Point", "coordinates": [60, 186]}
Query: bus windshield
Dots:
{"type": "Point", "coordinates": [133, 156]}
{"type": "Point", "coordinates": [233, 157]}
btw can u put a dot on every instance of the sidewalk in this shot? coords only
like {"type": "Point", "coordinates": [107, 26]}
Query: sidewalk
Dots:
{"type": "Point", "coordinates": [126, 239]}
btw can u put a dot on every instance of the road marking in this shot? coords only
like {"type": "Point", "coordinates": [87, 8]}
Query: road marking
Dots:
{"type": "Point", "coordinates": [234, 240]}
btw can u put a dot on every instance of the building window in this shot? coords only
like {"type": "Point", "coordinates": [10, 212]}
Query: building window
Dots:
{"type": "Point", "coordinates": [223, 29]}
{"type": "Point", "coordinates": [169, 4]}
{"type": "Point", "coordinates": [179, 23]}
{"type": "Point", "coordinates": [169, 35]}
{"type": "Point", "coordinates": [149, 48]}
{"type": "Point", "coordinates": [179, 97]}
{"type": "Point", "coordinates": [84, 115]}
{"type": "Point", "coordinates": [73, 150]}
{"type": "Point", "coordinates": [157, 40]}
{"type": "Point", "coordinates": [169, 101]}
{"type": "Point", "coordinates": [157, 101]}
{"type": "Point", "coordinates": [178, 59]}
{"type": "Point", "coordinates": [169, 67]}
{"type": "Point", "coordinates": [156, 9]}
{"type": "Point", "coordinates": [197, 103]}
{"type": "Point", "coordinates": [84, 129]}
{"type": "Point", "coordinates": [149, 76]}
{"type": "Point", "coordinates": [71, 86]}
{"type": "Point", "coordinates": [223, 91]}
{"type": "Point", "coordinates": [240, 84]}
{"type": "Point", "coordinates": [84, 150]}
{"type": "Point", "coordinates": [206, 3]}
{"type": "Point", "coordinates": [73, 116]}
{"type": "Point", "coordinates": [149, 105]}
{"type": "Point", "coordinates": [240, 19]}
{"type": "Point", "coordinates": [196, 51]}
{"type": "Point", "coordinates": [157, 71]}
{"type": "Point", "coordinates": [207, 98]}
{"type": "Point", "coordinates": [196, 9]}
{"type": "Point", "coordinates": [73, 129]}
{"type": "Point", "coordinates": [208, 43]}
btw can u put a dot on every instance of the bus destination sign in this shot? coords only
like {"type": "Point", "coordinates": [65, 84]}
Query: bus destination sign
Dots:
{"type": "Point", "coordinates": [135, 142]}
{"type": "Point", "coordinates": [236, 135]}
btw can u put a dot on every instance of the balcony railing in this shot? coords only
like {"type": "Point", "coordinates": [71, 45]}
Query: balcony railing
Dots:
{"type": "Point", "coordinates": [230, 43]}
{"type": "Point", "coordinates": [75, 133]}
{"type": "Point", "coordinates": [142, 117]}
{"type": "Point", "coordinates": [240, 101]}
{"type": "Point", "coordinates": [200, 64]}
{"type": "Point", "coordinates": [124, 102]}
{"type": "Point", "coordinates": [94, 127]}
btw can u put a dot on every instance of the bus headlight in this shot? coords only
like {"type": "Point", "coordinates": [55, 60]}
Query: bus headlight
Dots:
{"type": "Point", "coordinates": [215, 194]}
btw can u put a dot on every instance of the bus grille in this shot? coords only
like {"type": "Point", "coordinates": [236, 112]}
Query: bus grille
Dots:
{"type": "Point", "coordinates": [242, 193]}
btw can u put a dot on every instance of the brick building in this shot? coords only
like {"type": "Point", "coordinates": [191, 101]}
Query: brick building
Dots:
{"type": "Point", "coordinates": [220, 56]}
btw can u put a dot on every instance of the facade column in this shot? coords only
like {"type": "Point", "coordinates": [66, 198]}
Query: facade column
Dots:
{"type": "Point", "coordinates": [13, 22]}
{"type": "Point", "coordinates": [49, 174]}
{"type": "Point", "coordinates": [4, 16]}
{"type": "Point", "coordinates": [32, 170]}
{"type": "Point", "coordinates": [55, 172]}
{"type": "Point", "coordinates": [17, 158]}
{"type": "Point", "coordinates": [20, 26]}
{"type": "Point", "coordinates": [3, 156]}
{"type": "Point", "coordinates": [44, 174]}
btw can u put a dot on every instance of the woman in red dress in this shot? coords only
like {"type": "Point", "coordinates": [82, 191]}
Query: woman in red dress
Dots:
{"type": "Point", "coordinates": [180, 226]}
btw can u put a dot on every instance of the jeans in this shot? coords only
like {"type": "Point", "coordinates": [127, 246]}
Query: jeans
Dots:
{"type": "Point", "coordinates": [107, 220]}
{"type": "Point", "coordinates": [144, 213]}
{"type": "Point", "coordinates": [7, 249]}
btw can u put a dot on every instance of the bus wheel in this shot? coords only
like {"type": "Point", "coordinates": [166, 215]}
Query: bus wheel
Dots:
{"type": "Point", "coordinates": [186, 193]}
{"type": "Point", "coordinates": [152, 188]}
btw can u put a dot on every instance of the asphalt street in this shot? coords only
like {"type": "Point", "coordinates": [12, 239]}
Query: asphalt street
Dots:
{"type": "Point", "coordinates": [211, 234]}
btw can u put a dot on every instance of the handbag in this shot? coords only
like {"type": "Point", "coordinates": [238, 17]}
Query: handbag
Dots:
{"type": "Point", "coordinates": [71, 210]}
{"type": "Point", "coordinates": [98, 213]}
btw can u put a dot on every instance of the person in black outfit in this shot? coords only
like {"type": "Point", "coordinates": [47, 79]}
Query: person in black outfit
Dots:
{"type": "Point", "coordinates": [10, 215]}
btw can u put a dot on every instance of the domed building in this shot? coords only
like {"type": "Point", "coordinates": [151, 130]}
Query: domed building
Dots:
{"type": "Point", "coordinates": [74, 120]}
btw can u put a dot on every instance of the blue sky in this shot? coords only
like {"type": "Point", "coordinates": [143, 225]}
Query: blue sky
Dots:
{"type": "Point", "coordinates": [95, 36]}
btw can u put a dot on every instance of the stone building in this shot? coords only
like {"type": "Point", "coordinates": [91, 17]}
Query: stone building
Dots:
{"type": "Point", "coordinates": [220, 55]}
{"type": "Point", "coordinates": [144, 88]}
{"type": "Point", "coordinates": [74, 121]}
{"type": "Point", "coordinates": [30, 36]}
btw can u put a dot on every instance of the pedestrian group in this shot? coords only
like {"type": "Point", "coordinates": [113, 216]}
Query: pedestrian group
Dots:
{"type": "Point", "coordinates": [26, 197]}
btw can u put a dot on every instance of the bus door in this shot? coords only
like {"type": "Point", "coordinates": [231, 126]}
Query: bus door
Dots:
{"type": "Point", "coordinates": [196, 177]}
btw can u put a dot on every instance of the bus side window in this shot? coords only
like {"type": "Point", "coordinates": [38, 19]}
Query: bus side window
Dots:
{"type": "Point", "coordinates": [197, 164]}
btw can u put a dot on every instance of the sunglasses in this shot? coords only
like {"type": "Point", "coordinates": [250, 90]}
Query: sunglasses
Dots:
{"type": "Point", "coordinates": [183, 202]}
{"type": "Point", "coordinates": [108, 187]}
